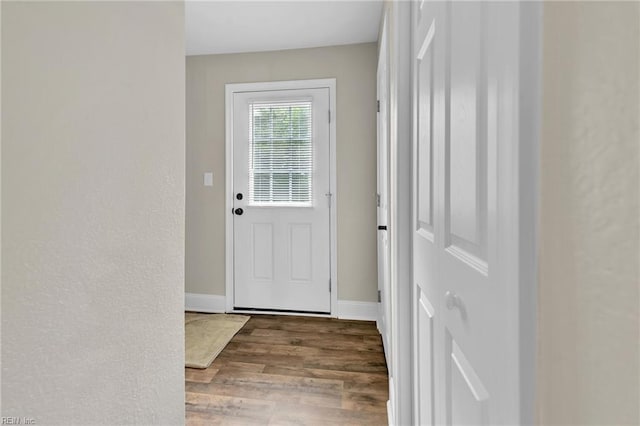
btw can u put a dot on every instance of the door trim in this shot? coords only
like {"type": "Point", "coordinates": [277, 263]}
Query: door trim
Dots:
{"type": "Point", "coordinates": [400, 205]}
{"type": "Point", "coordinates": [383, 63]}
{"type": "Point", "coordinates": [230, 90]}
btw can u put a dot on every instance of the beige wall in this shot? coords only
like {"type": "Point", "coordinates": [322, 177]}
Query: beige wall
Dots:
{"type": "Point", "coordinates": [93, 212]}
{"type": "Point", "coordinates": [354, 67]}
{"type": "Point", "coordinates": [588, 358]}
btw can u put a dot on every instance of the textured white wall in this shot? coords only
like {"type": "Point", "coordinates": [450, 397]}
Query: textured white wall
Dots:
{"type": "Point", "coordinates": [588, 356]}
{"type": "Point", "coordinates": [354, 67]}
{"type": "Point", "coordinates": [93, 212]}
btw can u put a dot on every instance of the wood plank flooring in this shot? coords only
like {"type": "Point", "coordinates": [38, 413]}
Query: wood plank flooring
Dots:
{"type": "Point", "coordinates": [289, 370]}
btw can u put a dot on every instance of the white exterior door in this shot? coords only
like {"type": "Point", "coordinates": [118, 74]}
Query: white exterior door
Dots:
{"type": "Point", "coordinates": [465, 239]}
{"type": "Point", "coordinates": [281, 206]}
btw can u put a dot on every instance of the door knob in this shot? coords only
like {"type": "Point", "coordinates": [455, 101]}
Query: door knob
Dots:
{"type": "Point", "coordinates": [452, 300]}
{"type": "Point", "coordinates": [238, 211]}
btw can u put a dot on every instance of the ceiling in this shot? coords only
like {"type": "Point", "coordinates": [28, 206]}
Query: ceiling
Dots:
{"type": "Point", "coordinates": [252, 26]}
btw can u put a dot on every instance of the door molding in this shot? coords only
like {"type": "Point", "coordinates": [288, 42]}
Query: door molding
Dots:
{"type": "Point", "coordinates": [230, 90]}
{"type": "Point", "coordinates": [382, 81]}
{"type": "Point", "coordinates": [400, 204]}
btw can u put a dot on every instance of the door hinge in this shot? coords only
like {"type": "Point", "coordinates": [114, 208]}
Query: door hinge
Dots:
{"type": "Point", "coordinates": [329, 196]}
{"type": "Point", "coordinates": [379, 296]}
{"type": "Point", "coordinates": [378, 200]}
{"type": "Point", "coordinates": [378, 106]}
{"type": "Point", "coordinates": [329, 285]}
{"type": "Point", "coordinates": [329, 116]}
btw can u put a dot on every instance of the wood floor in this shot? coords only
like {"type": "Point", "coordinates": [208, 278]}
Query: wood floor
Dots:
{"type": "Point", "coordinates": [287, 370]}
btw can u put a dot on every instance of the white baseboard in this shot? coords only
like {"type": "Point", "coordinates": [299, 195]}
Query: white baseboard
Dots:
{"type": "Point", "coordinates": [204, 303]}
{"type": "Point", "coordinates": [363, 311]}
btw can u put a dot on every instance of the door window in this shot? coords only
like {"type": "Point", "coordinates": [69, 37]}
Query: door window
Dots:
{"type": "Point", "coordinates": [280, 154]}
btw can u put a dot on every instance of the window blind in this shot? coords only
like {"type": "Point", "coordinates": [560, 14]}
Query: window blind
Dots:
{"type": "Point", "coordinates": [280, 153]}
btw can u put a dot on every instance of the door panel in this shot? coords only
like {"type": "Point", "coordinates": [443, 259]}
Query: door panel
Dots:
{"type": "Point", "coordinates": [262, 251]}
{"type": "Point", "coordinates": [425, 364]}
{"type": "Point", "coordinates": [424, 63]}
{"type": "Point", "coordinates": [465, 186]}
{"type": "Point", "coordinates": [467, 400]}
{"type": "Point", "coordinates": [282, 233]}
{"type": "Point", "coordinates": [300, 249]}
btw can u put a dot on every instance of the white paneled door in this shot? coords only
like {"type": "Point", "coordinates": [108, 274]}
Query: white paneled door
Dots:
{"type": "Point", "coordinates": [465, 63]}
{"type": "Point", "coordinates": [281, 200]}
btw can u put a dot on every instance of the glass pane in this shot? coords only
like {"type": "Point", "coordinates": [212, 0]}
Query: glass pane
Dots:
{"type": "Point", "coordinates": [280, 153]}
{"type": "Point", "coordinates": [261, 187]}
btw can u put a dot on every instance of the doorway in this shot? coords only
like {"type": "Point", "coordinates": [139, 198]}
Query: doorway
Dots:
{"type": "Point", "coordinates": [280, 197]}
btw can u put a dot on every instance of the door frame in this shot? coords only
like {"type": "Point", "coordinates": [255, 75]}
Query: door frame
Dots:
{"type": "Point", "coordinates": [398, 15]}
{"type": "Point", "coordinates": [383, 61]}
{"type": "Point", "coordinates": [230, 90]}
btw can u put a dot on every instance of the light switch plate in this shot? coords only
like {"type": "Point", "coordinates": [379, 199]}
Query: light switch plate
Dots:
{"type": "Point", "coordinates": [208, 179]}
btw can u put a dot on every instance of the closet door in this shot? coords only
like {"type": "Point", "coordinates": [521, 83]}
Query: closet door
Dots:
{"type": "Point", "coordinates": [465, 212]}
